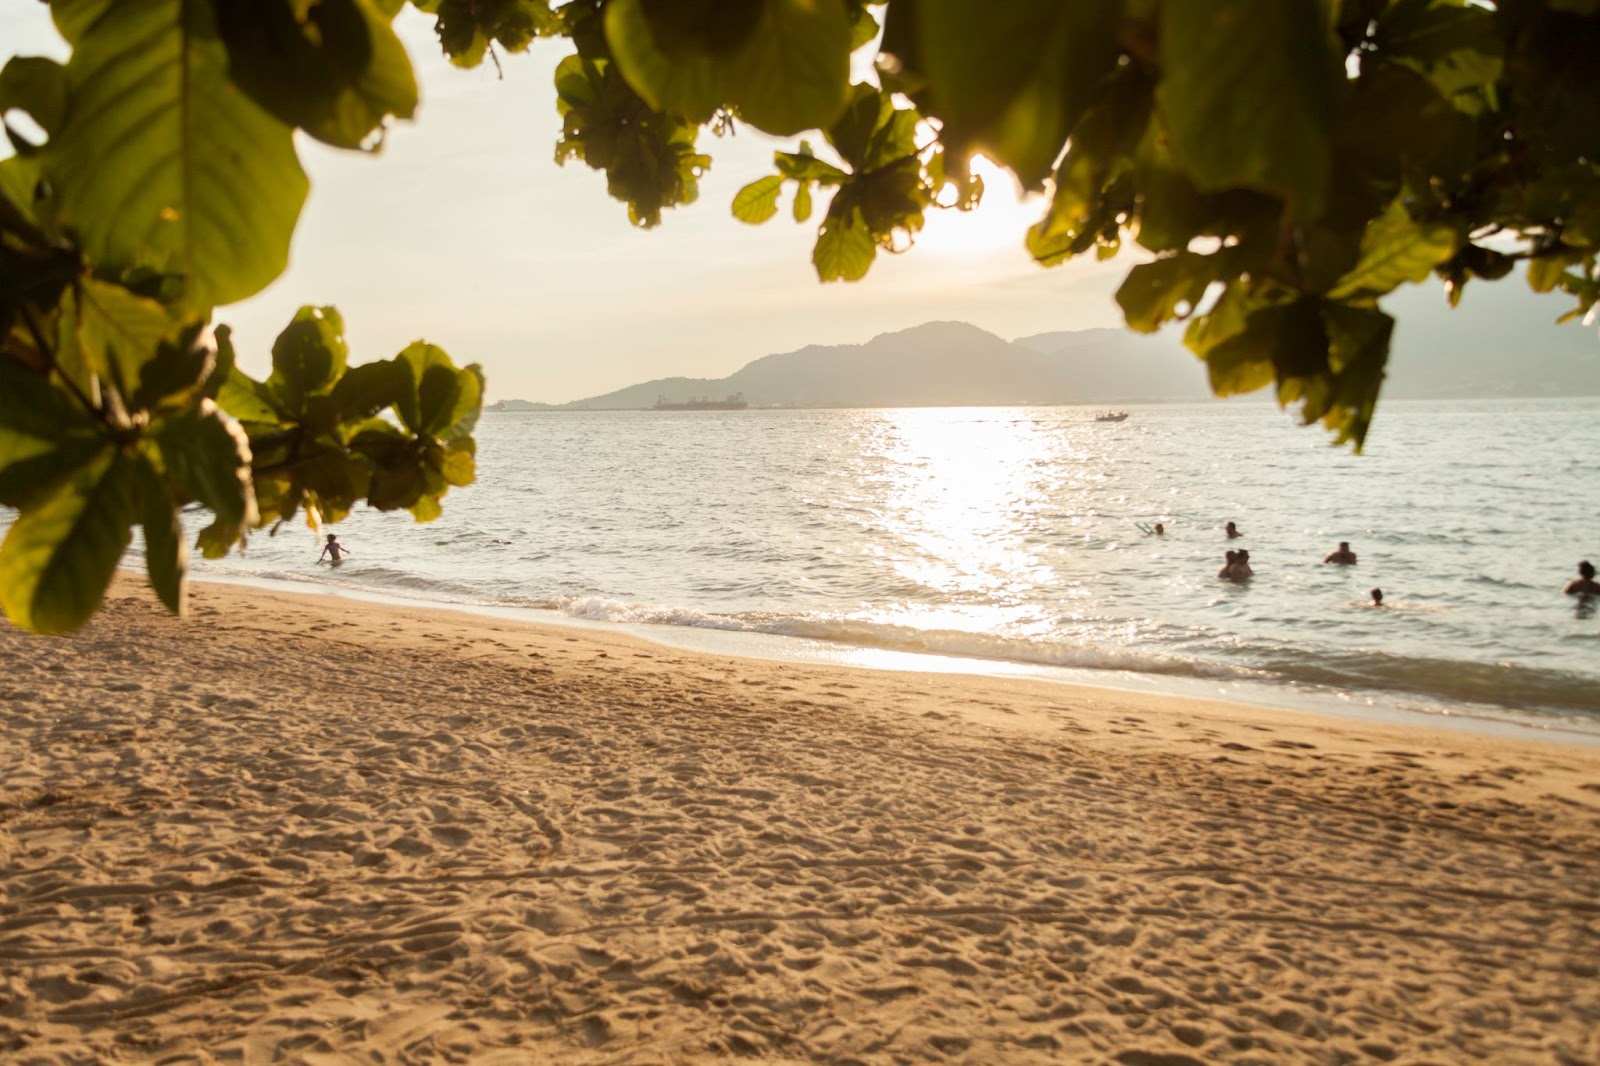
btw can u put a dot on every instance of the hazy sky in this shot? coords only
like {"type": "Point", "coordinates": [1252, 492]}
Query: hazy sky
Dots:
{"type": "Point", "coordinates": [464, 231]}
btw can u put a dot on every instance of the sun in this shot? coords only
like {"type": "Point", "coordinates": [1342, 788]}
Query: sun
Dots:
{"type": "Point", "coordinates": [995, 228]}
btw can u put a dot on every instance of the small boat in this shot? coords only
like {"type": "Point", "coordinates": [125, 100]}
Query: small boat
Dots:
{"type": "Point", "coordinates": [1112, 416]}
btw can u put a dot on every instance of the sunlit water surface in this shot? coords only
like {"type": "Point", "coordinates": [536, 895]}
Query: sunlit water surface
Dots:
{"type": "Point", "coordinates": [1012, 536]}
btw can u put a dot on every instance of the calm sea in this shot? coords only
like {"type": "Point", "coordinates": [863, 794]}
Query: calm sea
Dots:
{"type": "Point", "coordinates": [1012, 537]}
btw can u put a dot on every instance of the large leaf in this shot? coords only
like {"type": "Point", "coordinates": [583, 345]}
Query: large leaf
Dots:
{"type": "Point", "coordinates": [118, 332]}
{"type": "Point", "coordinates": [59, 555]}
{"type": "Point", "coordinates": [335, 68]}
{"type": "Point", "coordinates": [1015, 77]}
{"type": "Point", "coordinates": [784, 64]}
{"type": "Point", "coordinates": [1153, 293]}
{"type": "Point", "coordinates": [1248, 88]}
{"type": "Point", "coordinates": [844, 249]}
{"type": "Point", "coordinates": [38, 87]}
{"type": "Point", "coordinates": [446, 400]}
{"type": "Point", "coordinates": [308, 356]}
{"type": "Point", "coordinates": [758, 201]}
{"type": "Point", "coordinates": [1395, 249]}
{"type": "Point", "coordinates": [166, 556]}
{"type": "Point", "coordinates": [208, 456]}
{"type": "Point", "coordinates": [163, 162]}
{"type": "Point", "coordinates": [44, 434]}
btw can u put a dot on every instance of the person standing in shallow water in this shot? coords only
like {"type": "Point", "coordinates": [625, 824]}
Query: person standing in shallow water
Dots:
{"type": "Point", "coordinates": [1344, 556]}
{"type": "Point", "coordinates": [1584, 584]}
{"type": "Point", "coordinates": [335, 549]}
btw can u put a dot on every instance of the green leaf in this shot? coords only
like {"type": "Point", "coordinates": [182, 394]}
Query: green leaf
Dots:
{"type": "Point", "coordinates": [1017, 78]}
{"type": "Point", "coordinates": [44, 434]}
{"type": "Point", "coordinates": [1248, 89]}
{"type": "Point", "coordinates": [248, 400]}
{"type": "Point", "coordinates": [334, 68]}
{"type": "Point", "coordinates": [166, 556]}
{"type": "Point", "coordinates": [758, 201]}
{"type": "Point", "coordinates": [688, 83]}
{"type": "Point", "coordinates": [163, 162]}
{"type": "Point", "coordinates": [845, 248]}
{"type": "Point", "coordinates": [208, 456]}
{"type": "Point", "coordinates": [118, 331]}
{"type": "Point", "coordinates": [59, 555]}
{"type": "Point", "coordinates": [794, 73]}
{"type": "Point", "coordinates": [1152, 292]}
{"type": "Point", "coordinates": [1395, 250]}
{"type": "Point", "coordinates": [446, 401]}
{"type": "Point", "coordinates": [38, 87]}
{"type": "Point", "coordinates": [802, 201]}
{"type": "Point", "coordinates": [365, 390]}
{"type": "Point", "coordinates": [784, 64]}
{"type": "Point", "coordinates": [308, 356]}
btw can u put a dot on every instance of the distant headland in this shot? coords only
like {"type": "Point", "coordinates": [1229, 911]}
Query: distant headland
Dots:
{"type": "Point", "coordinates": [943, 364]}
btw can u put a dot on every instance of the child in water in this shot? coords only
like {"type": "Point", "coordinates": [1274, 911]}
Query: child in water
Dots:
{"type": "Point", "coordinates": [333, 548]}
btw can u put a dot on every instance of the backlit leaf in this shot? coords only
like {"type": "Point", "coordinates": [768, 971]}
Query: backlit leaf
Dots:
{"type": "Point", "coordinates": [1248, 90]}
{"type": "Point", "coordinates": [165, 163]}
{"type": "Point", "coordinates": [58, 557]}
{"type": "Point", "coordinates": [44, 434]}
{"type": "Point", "coordinates": [1016, 78]}
{"type": "Point", "coordinates": [337, 70]}
{"type": "Point", "coordinates": [844, 249]}
{"type": "Point", "coordinates": [1395, 249]}
{"type": "Point", "coordinates": [758, 201]}
{"type": "Point", "coordinates": [166, 556]}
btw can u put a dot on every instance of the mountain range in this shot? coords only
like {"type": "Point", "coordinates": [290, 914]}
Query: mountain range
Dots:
{"type": "Point", "coordinates": [939, 364]}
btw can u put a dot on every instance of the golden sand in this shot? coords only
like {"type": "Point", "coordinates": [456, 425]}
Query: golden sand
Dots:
{"type": "Point", "coordinates": [313, 830]}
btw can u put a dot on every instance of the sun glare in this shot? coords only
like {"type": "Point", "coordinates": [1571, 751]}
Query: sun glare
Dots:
{"type": "Point", "coordinates": [995, 226]}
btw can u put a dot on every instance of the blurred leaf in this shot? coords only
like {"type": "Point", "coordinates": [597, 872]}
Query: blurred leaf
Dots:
{"type": "Point", "coordinates": [794, 72]}
{"type": "Point", "coordinates": [1395, 249]}
{"type": "Point", "coordinates": [1248, 90]}
{"type": "Point", "coordinates": [446, 400]}
{"type": "Point", "coordinates": [758, 201]}
{"type": "Point", "coordinates": [333, 68]}
{"type": "Point", "coordinates": [119, 331]}
{"type": "Point", "coordinates": [219, 187]}
{"type": "Point", "coordinates": [365, 390]}
{"type": "Point", "coordinates": [37, 87]}
{"type": "Point", "coordinates": [1152, 292]}
{"type": "Point", "coordinates": [1016, 79]}
{"type": "Point", "coordinates": [844, 249]}
{"type": "Point", "coordinates": [248, 400]}
{"type": "Point", "coordinates": [165, 553]}
{"type": "Point", "coordinates": [44, 434]}
{"type": "Point", "coordinates": [208, 455]}
{"type": "Point", "coordinates": [308, 356]}
{"type": "Point", "coordinates": [58, 557]}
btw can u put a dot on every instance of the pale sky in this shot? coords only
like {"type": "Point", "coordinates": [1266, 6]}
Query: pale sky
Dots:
{"type": "Point", "coordinates": [465, 232]}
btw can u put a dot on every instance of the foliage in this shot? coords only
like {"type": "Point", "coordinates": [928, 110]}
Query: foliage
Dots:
{"type": "Point", "coordinates": [1281, 166]}
{"type": "Point", "coordinates": [167, 184]}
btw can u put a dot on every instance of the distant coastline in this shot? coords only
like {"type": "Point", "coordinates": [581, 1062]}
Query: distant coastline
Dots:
{"type": "Point", "coordinates": [955, 364]}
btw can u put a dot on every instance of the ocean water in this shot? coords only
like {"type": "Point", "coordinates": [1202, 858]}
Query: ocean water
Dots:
{"type": "Point", "coordinates": [1010, 538]}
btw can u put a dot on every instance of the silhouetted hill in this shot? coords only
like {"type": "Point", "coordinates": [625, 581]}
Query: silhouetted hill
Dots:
{"type": "Point", "coordinates": [1499, 343]}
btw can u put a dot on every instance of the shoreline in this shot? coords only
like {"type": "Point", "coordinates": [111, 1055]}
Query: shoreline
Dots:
{"type": "Point", "coordinates": [294, 828]}
{"type": "Point", "coordinates": [1371, 706]}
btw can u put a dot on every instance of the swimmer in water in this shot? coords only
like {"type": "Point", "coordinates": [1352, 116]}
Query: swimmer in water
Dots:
{"type": "Point", "coordinates": [1344, 556]}
{"type": "Point", "coordinates": [335, 549]}
{"type": "Point", "coordinates": [1377, 597]}
{"type": "Point", "coordinates": [1232, 531]}
{"type": "Point", "coordinates": [1584, 584]}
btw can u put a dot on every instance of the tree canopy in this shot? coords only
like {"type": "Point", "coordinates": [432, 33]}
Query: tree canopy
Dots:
{"type": "Point", "coordinates": [1281, 166]}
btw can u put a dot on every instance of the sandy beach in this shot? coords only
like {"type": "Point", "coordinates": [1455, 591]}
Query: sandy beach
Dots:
{"type": "Point", "coordinates": [307, 829]}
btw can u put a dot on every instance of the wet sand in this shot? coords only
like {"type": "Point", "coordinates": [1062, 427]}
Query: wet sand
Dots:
{"type": "Point", "coordinates": [315, 830]}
